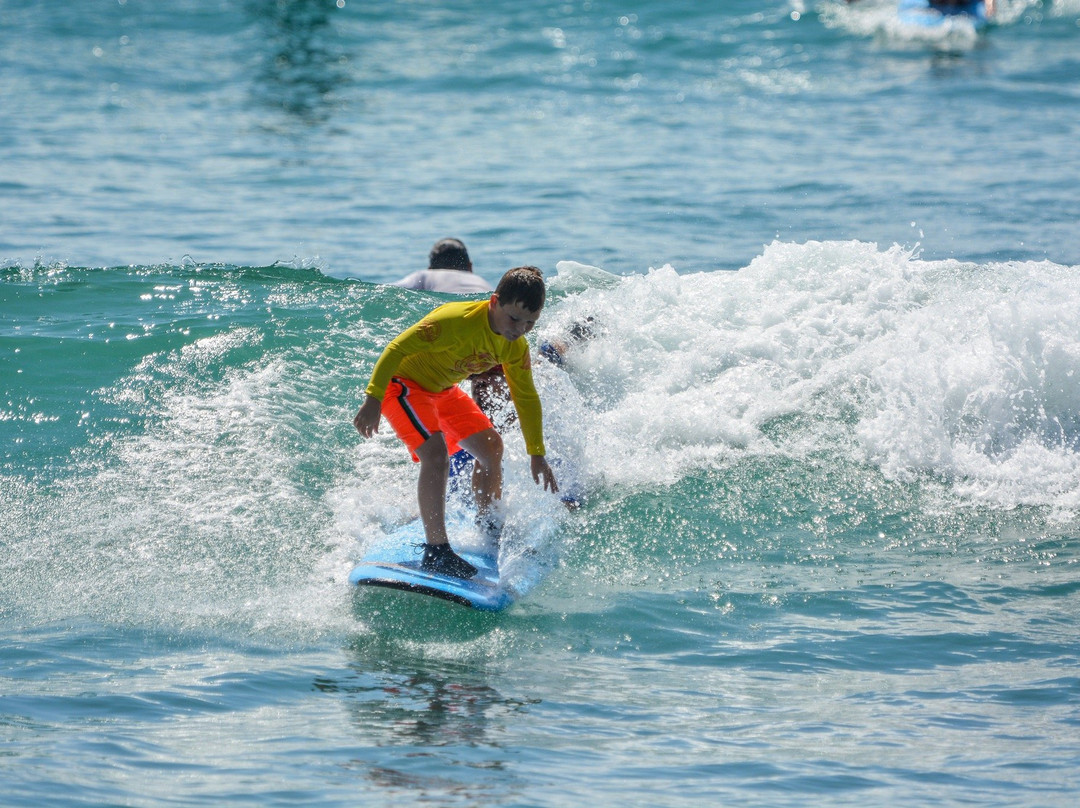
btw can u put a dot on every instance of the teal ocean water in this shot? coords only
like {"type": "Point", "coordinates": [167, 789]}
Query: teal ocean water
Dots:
{"type": "Point", "coordinates": [828, 427]}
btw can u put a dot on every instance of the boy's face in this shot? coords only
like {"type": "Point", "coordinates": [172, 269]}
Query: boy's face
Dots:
{"type": "Point", "coordinates": [511, 320]}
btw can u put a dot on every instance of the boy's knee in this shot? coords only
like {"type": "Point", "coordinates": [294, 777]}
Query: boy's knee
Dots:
{"type": "Point", "coordinates": [489, 448]}
{"type": "Point", "coordinates": [432, 452]}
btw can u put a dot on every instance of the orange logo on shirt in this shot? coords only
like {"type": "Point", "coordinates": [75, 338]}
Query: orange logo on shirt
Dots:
{"type": "Point", "coordinates": [429, 330]}
{"type": "Point", "coordinates": [477, 363]}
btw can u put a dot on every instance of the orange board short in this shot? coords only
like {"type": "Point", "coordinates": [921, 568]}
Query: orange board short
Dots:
{"type": "Point", "coordinates": [416, 414]}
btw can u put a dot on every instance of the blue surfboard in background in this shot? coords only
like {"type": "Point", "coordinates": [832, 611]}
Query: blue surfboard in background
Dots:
{"type": "Point", "coordinates": [923, 14]}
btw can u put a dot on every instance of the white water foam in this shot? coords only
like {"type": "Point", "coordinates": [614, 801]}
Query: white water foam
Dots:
{"type": "Point", "coordinates": [963, 372]}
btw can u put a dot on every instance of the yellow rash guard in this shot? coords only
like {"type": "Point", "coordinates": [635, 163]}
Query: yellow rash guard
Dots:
{"type": "Point", "coordinates": [454, 342]}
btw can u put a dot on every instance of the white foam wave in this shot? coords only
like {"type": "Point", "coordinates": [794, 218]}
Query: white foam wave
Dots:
{"type": "Point", "coordinates": [244, 494]}
{"type": "Point", "coordinates": [964, 372]}
{"type": "Point", "coordinates": [207, 516]}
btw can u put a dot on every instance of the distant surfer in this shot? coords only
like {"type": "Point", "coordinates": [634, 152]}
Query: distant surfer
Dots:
{"type": "Point", "coordinates": [962, 6]}
{"type": "Point", "coordinates": [449, 270]}
{"type": "Point", "coordinates": [415, 386]}
{"type": "Point", "coordinates": [489, 388]}
{"type": "Point", "coordinates": [959, 6]}
{"type": "Point", "coordinates": [555, 350]}
{"type": "Point", "coordinates": [491, 394]}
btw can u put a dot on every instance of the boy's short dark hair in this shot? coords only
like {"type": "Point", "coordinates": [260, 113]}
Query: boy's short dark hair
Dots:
{"type": "Point", "coordinates": [524, 285]}
{"type": "Point", "coordinates": [449, 253]}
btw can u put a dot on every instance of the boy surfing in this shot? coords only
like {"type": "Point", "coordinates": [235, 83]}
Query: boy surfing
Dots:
{"type": "Point", "coordinates": [415, 386]}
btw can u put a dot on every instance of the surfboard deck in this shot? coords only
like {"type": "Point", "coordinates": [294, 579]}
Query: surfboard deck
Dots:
{"type": "Point", "coordinates": [393, 561]}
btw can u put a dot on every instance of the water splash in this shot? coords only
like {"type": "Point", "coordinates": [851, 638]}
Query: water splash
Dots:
{"type": "Point", "coordinates": [961, 372]}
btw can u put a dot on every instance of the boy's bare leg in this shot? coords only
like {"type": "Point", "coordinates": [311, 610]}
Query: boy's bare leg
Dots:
{"type": "Point", "coordinates": [431, 488]}
{"type": "Point", "coordinates": [487, 449]}
{"type": "Point", "coordinates": [431, 494]}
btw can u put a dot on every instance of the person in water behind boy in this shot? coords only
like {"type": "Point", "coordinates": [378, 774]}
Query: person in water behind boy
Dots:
{"type": "Point", "coordinates": [415, 386]}
{"type": "Point", "coordinates": [449, 270]}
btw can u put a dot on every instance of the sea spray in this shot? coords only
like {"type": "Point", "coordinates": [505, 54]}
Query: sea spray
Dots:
{"type": "Point", "coordinates": [957, 372]}
{"type": "Point", "coordinates": [827, 401]}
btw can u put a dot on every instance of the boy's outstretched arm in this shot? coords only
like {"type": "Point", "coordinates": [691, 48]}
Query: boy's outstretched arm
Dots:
{"type": "Point", "coordinates": [541, 469]}
{"type": "Point", "coordinates": [367, 419]}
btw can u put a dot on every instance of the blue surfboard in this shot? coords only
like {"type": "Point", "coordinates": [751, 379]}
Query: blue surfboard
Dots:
{"type": "Point", "coordinates": [392, 561]}
{"type": "Point", "coordinates": [923, 14]}
{"type": "Point", "coordinates": [395, 564]}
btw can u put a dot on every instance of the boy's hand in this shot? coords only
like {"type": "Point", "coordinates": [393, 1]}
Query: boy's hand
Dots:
{"type": "Point", "coordinates": [541, 469]}
{"type": "Point", "coordinates": [367, 420]}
